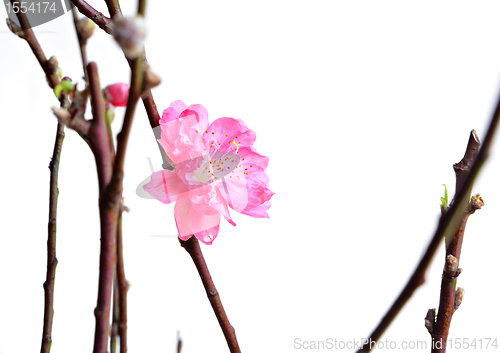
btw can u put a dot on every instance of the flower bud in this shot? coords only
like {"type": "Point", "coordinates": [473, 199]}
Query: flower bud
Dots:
{"type": "Point", "coordinates": [85, 28]}
{"type": "Point", "coordinates": [130, 33]}
{"type": "Point", "coordinates": [66, 85]}
{"type": "Point", "coordinates": [116, 94]}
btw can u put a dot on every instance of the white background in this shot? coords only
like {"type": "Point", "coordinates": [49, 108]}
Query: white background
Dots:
{"type": "Point", "coordinates": [362, 108]}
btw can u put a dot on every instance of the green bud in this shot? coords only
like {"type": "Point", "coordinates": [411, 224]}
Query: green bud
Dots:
{"type": "Point", "coordinates": [444, 200]}
{"type": "Point", "coordinates": [67, 85]}
{"type": "Point", "coordinates": [57, 90]}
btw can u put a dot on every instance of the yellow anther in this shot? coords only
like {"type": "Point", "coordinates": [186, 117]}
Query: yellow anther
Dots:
{"type": "Point", "coordinates": [237, 147]}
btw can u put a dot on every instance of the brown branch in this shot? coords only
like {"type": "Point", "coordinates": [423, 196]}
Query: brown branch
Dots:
{"type": "Point", "coordinates": [108, 209]}
{"type": "Point", "coordinates": [114, 8]}
{"type": "Point", "coordinates": [133, 97]}
{"type": "Point", "coordinates": [112, 184]}
{"type": "Point", "coordinates": [98, 132]}
{"type": "Point", "coordinates": [441, 327]}
{"type": "Point", "coordinates": [98, 18]}
{"type": "Point", "coordinates": [192, 246]}
{"type": "Point", "coordinates": [448, 221]}
{"type": "Point", "coordinates": [141, 8]}
{"type": "Point", "coordinates": [82, 41]}
{"type": "Point", "coordinates": [121, 287]}
{"type": "Point", "coordinates": [29, 36]}
{"type": "Point", "coordinates": [49, 284]}
{"type": "Point", "coordinates": [116, 318]}
{"type": "Point", "coordinates": [463, 167]}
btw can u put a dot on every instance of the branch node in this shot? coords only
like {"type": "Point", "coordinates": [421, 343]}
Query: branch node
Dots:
{"type": "Point", "coordinates": [459, 296]}
{"type": "Point", "coordinates": [14, 28]}
{"type": "Point", "coordinates": [476, 203]}
{"type": "Point", "coordinates": [451, 266]}
{"type": "Point", "coordinates": [430, 319]}
{"type": "Point", "coordinates": [151, 79]}
{"type": "Point", "coordinates": [52, 65]}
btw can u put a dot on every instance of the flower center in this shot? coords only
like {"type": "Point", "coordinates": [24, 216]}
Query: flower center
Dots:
{"type": "Point", "coordinates": [216, 165]}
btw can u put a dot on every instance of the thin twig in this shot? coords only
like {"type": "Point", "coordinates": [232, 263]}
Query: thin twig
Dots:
{"type": "Point", "coordinates": [441, 326]}
{"type": "Point", "coordinates": [98, 18]}
{"type": "Point", "coordinates": [116, 317]}
{"type": "Point", "coordinates": [98, 133]}
{"type": "Point", "coordinates": [121, 287]}
{"type": "Point", "coordinates": [448, 221]}
{"type": "Point", "coordinates": [133, 97]}
{"type": "Point", "coordinates": [192, 246]}
{"type": "Point", "coordinates": [29, 36]}
{"type": "Point", "coordinates": [141, 8]}
{"type": "Point", "coordinates": [82, 42]}
{"type": "Point", "coordinates": [114, 8]}
{"type": "Point", "coordinates": [49, 284]}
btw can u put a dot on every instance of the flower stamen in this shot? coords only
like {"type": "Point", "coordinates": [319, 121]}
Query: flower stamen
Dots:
{"type": "Point", "coordinates": [237, 147]}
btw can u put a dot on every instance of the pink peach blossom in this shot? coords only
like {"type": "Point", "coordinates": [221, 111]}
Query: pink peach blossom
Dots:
{"type": "Point", "coordinates": [116, 94]}
{"type": "Point", "coordinates": [216, 168]}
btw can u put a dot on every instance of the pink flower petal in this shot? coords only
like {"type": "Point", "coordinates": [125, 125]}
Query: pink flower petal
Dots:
{"type": "Point", "coordinates": [220, 204]}
{"type": "Point", "coordinates": [259, 211]}
{"type": "Point", "coordinates": [249, 156]}
{"type": "Point", "coordinates": [201, 198]}
{"type": "Point", "coordinates": [181, 138]}
{"type": "Point", "coordinates": [199, 110]}
{"type": "Point", "coordinates": [189, 221]}
{"type": "Point", "coordinates": [165, 186]}
{"type": "Point", "coordinates": [246, 188]}
{"type": "Point", "coordinates": [208, 236]}
{"type": "Point", "coordinates": [172, 112]}
{"type": "Point", "coordinates": [234, 192]}
{"type": "Point", "coordinates": [223, 131]}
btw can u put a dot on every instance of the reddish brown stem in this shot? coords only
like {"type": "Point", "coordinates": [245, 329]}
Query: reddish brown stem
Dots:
{"type": "Point", "coordinates": [98, 18]}
{"type": "Point", "coordinates": [116, 318]}
{"type": "Point", "coordinates": [441, 327]}
{"type": "Point", "coordinates": [122, 288]}
{"type": "Point", "coordinates": [110, 199]}
{"type": "Point", "coordinates": [83, 44]}
{"type": "Point", "coordinates": [113, 7]}
{"type": "Point", "coordinates": [99, 134]}
{"type": "Point", "coordinates": [29, 36]}
{"type": "Point", "coordinates": [108, 210]}
{"type": "Point", "coordinates": [134, 93]}
{"type": "Point", "coordinates": [192, 246]}
{"type": "Point", "coordinates": [49, 284]}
